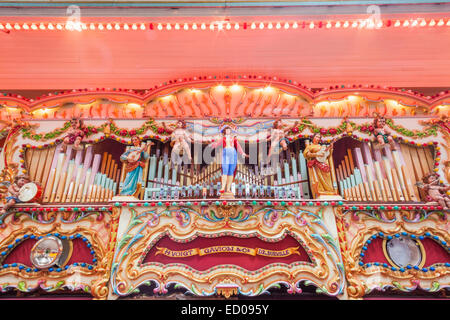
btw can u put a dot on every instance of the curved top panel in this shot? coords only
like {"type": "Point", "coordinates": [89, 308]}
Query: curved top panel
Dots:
{"type": "Point", "coordinates": [225, 97]}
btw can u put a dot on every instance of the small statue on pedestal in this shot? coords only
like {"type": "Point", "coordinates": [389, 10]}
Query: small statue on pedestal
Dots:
{"type": "Point", "coordinates": [134, 165]}
{"type": "Point", "coordinates": [231, 147]}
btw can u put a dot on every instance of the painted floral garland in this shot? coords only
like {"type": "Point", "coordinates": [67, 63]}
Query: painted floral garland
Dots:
{"type": "Point", "coordinates": [111, 128]}
{"type": "Point", "coordinates": [107, 128]}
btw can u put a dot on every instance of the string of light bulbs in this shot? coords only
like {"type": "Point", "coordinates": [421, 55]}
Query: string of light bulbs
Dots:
{"type": "Point", "coordinates": [225, 25]}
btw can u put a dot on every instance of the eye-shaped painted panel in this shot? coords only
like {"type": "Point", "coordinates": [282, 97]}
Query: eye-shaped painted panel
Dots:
{"type": "Point", "coordinates": [403, 251]}
{"type": "Point", "coordinates": [17, 255]}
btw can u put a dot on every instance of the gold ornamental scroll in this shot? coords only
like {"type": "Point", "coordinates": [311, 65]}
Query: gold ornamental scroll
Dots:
{"type": "Point", "coordinates": [228, 249]}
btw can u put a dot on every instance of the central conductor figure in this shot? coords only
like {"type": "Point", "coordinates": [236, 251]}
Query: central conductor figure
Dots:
{"type": "Point", "coordinates": [229, 157]}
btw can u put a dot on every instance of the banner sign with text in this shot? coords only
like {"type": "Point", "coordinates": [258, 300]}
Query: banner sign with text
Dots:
{"type": "Point", "coordinates": [228, 249]}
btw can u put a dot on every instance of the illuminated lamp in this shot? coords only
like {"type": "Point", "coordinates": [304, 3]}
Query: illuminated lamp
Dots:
{"type": "Point", "coordinates": [228, 26]}
{"type": "Point", "coordinates": [186, 27]}
{"type": "Point", "coordinates": [346, 24]}
{"type": "Point", "coordinates": [126, 27]}
{"type": "Point", "coordinates": [92, 26]}
{"type": "Point", "coordinates": [194, 26]}
{"type": "Point", "coordinates": [51, 27]}
{"type": "Point", "coordinates": [25, 26]}
{"type": "Point", "coordinates": [432, 23]}
{"type": "Point", "coordinates": [261, 25]}
{"type": "Point", "coordinates": [220, 26]}
{"type": "Point", "coordinates": [33, 26]}
{"type": "Point", "coordinates": [16, 26]}
{"type": "Point", "coordinates": [169, 27]}
{"type": "Point", "coordinates": [109, 26]}
{"type": "Point", "coordinates": [177, 26]}
{"type": "Point", "coordinates": [406, 23]}
{"type": "Point", "coordinates": [8, 26]}
{"type": "Point", "coordinates": [286, 25]}
{"type": "Point", "coordinates": [270, 25]}
{"type": "Point", "coordinates": [253, 26]}
{"type": "Point", "coordinates": [203, 26]}
{"type": "Point", "coordinates": [423, 23]}
{"type": "Point", "coordinates": [236, 26]}
{"type": "Point", "coordinates": [311, 25]}
{"type": "Point", "coordinates": [354, 24]}
{"type": "Point", "coordinates": [211, 26]}
{"type": "Point", "coordinates": [117, 26]}
{"type": "Point", "coordinates": [295, 25]}
{"type": "Point", "coordinates": [134, 26]}
{"type": "Point", "coordinates": [278, 25]}
{"type": "Point", "coordinates": [100, 26]}
{"type": "Point", "coordinates": [338, 24]}
{"type": "Point", "coordinates": [142, 26]}
{"type": "Point", "coordinates": [440, 23]}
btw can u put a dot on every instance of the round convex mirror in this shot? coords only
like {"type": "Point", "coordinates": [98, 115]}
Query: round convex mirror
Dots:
{"type": "Point", "coordinates": [46, 252]}
{"type": "Point", "coordinates": [403, 251]}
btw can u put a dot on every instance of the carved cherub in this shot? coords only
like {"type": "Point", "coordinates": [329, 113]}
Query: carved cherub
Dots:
{"type": "Point", "coordinates": [75, 135]}
{"type": "Point", "coordinates": [180, 140]}
{"type": "Point", "coordinates": [13, 192]}
{"type": "Point", "coordinates": [382, 135]}
{"type": "Point", "coordinates": [278, 137]}
{"type": "Point", "coordinates": [435, 191]}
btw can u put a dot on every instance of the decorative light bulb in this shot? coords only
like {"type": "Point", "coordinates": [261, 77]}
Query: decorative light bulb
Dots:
{"type": "Point", "coordinates": [270, 25]}
{"type": "Point", "coordinates": [194, 26]}
{"type": "Point", "coordinates": [236, 26]}
{"type": "Point", "coordinates": [295, 25]}
{"type": "Point", "coordinates": [253, 26]}
{"type": "Point", "coordinates": [286, 25]}
{"type": "Point", "coordinates": [261, 25]}
{"type": "Point", "coordinates": [203, 26]}
{"type": "Point", "coordinates": [185, 26]}
{"type": "Point", "coordinates": [160, 27]}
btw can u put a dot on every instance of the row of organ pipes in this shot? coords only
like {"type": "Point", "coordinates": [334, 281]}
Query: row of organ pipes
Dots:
{"type": "Point", "coordinates": [363, 173]}
{"type": "Point", "coordinates": [73, 176]}
{"type": "Point", "coordinates": [367, 173]}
